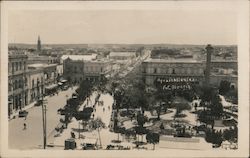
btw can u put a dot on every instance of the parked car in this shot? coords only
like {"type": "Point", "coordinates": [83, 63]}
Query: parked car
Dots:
{"type": "Point", "coordinates": [61, 111]}
{"type": "Point", "coordinates": [38, 103]}
{"type": "Point", "coordinates": [88, 146]}
{"type": "Point", "coordinates": [23, 113]}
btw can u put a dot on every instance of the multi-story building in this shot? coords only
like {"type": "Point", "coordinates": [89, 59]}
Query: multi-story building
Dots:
{"type": "Point", "coordinates": [35, 84]}
{"type": "Point", "coordinates": [34, 59]}
{"type": "Point", "coordinates": [172, 70]}
{"type": "Point", "coordinates": [96, 69]}
{"type": "Point", "coordinates": [181, 73]}
{"type": "Point", "coordinates": [77, 69]}
{"type": "Point", "coordinates": [122, 55]}
{"type": "Point", "coordinates": [17, 81]}
{"type": "Point", "coordinates": [49, 70]}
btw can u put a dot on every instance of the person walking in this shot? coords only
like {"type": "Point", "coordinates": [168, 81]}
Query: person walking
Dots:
{"type": "Point", "coordinates": [24, 126]}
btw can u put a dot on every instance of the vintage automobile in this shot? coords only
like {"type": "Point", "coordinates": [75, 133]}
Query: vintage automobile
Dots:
{"type": "Point", "coordinates": [23, 113]}
{"type": "Point", "coordinates": [38, 103]}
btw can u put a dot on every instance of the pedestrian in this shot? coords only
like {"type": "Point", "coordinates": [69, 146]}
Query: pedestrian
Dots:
{"type": "Point", "coordinates": [103, 109]}
{"type": "Point", "coordinates": [109, 107]}
{"type": "Point", "coordinates": [24, 126]}
{"type": "Point", "coordinates": [25, 117]}
{"type": "Point", "coordinates": [73, 135]}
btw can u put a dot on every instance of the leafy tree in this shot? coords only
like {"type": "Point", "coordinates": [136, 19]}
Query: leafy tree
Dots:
{"type": "Point", "coordinates": [181, 104]}
{"type": "Point", "coordinates": [153, 138]}
{"type": "Point", "coordinates": [140, 130]}
{"type": "Point", "coordinates": [214, 137]}
{"type": "Point", "coordinates": [83, 115]}
{"type": "Point", "coordinates": [141, 119]}
{"type": "Point", "coordinates": [119, 130]}
{"type": "Point", "coordinates": [224, 87]}
{"type": "Point", "coordinates": [231, 134]}
{"type": "Point", "coordinates": [97, 124]}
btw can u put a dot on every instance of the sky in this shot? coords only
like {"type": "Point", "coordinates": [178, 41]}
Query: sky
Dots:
{"type": "Point", "coordinates": [122, 26]}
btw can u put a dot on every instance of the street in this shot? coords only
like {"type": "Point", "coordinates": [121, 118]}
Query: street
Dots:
{"type": "Point", "coordinates": [32, 137]}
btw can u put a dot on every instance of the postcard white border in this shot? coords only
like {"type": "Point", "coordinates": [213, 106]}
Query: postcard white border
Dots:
{"type": "Point", "coordinates": [243, 75]}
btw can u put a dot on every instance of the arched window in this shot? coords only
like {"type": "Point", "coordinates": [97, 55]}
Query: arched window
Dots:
{"type": "Point", "coordinates": [26, 81]}
{"type": "Point", "coordinates": [20, 84]}
{"type": "Point", "coordinates": [13, 67]}
{"type": "Point", "coordinates": [20, 65]}
{"type": "Point", "coordinates": [173, 71]}
{"type": "Point", "coordinates": [33, 83]}
{"type": "Point", "coordinates": [38, 82]}
{"type": "Point", "coordinates": [16, 66]}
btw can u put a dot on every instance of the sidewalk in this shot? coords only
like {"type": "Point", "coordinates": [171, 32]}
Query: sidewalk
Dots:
{"type": "Point", "coordinates": [15, 114]}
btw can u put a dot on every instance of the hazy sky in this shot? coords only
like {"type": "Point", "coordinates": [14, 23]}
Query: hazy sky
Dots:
{"type": "Point", "coordinates": [123, 26]}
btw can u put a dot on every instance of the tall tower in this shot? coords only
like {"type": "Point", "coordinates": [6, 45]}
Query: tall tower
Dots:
{"type": "Point", "coordinates": [39, 44]}
{"type": "Point", "coordinates": [209, 50]}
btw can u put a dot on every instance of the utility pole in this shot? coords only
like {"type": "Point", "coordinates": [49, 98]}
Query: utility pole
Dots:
{"type": "Point", "coordinates": [44, 120]}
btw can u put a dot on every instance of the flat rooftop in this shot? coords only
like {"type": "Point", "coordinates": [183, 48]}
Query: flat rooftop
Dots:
{"type": "Point", "coordinates": [79, 57]}
{"type": "Point", "coordinates": [173, 60]}
{"type": "Point", "coordinates": [41, 65]}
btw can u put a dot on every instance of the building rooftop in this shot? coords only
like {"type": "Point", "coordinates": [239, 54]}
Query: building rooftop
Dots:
{"type": "Point", "coordinates": [172, 60]}
{"type": "Point", "coordinates": [79, 57]}
{"type": "Point", "coordinates": [122, 54]}
{"type": "Point", "coordinates": [40, 65]}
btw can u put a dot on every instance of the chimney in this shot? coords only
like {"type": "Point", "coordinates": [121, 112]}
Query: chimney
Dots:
{"type": "Point", "coordinates": [209, 50]}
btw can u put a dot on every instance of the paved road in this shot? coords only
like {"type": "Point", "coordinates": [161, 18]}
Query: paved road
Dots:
{"type": "Point", "coordinates": [32, 137]}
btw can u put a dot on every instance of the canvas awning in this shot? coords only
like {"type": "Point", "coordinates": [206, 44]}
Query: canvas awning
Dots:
{"type": "Point", "coordinates": [51, 86]}
{"type": "Point", "coordinates": [63, 81]}
{"type": "Point", "coordinates": [60, 83]}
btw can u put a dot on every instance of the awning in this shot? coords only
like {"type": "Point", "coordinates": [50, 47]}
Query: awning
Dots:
{"type": "Point", "coordinates": [63, 81]}
{"type": "Point", "coordinates": [51, 86]}
{"type": "Point", "coordinates": [60, 83]}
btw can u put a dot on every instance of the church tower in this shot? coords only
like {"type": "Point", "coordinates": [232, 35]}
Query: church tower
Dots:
{"type": "Point", "coordinates": [39, 44]}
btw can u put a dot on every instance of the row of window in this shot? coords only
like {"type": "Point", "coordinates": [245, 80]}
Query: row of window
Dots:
{"type": "Point", "coordinates": [17, 84]}
{"type": "Point", "coordinates": [17, 66]}
{"type": "Point", "coordinates": [174, 71]}
{"type": "Point", "coordinates": [76, 70]}
{"type": "Point", "coordinates": [37, 82]}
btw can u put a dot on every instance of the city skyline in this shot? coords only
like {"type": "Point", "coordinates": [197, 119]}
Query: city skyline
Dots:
{"type": "Point", "coordinates": [124, 27]}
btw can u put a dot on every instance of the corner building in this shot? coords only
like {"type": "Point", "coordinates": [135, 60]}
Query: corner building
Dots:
{"type": "Point", "coordinates": [172, 69]}
{"type": "Point", "coordinates": [17, 81]}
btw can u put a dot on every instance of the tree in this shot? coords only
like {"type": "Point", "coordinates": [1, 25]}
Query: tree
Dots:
{"type": "Point", "coordinates": [97, 124]}
{"type": "Point", "coordinates": [153, 138]}
{"type": "Point", "coordinates": [141, 119]}
{"type": "Point", "coordinates": [224, 87]}
{"type": "Point", "coordinates": [214, 137]}
{"type": "Point", "coordinates": [83, 115]}
{"type": "Point", "coordinates": [181, 104]}
{"type": "Point", "coordinates": [140, 130]}
{"type": "Point", "coordinates": [119, 130]}
{"type": "Point", "coordinates": [231, 134]}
